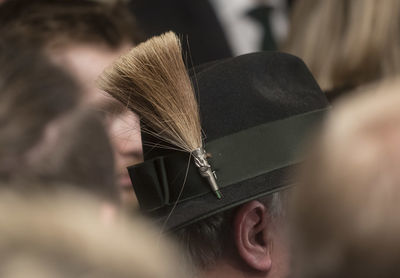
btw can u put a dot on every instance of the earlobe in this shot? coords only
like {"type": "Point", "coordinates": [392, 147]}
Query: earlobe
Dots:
{"type": "Point", "coordinates": [251, 236]}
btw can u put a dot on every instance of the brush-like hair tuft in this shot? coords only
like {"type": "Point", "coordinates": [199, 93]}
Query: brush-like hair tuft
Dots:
{"type": "Point", "coordinates": [152, 81]}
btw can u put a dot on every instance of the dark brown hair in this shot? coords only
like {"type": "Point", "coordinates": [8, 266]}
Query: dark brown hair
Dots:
{"type": "Point", "coordinates": [44, 135]}
{"type": "Point", "coordinates": [32, 93]}
{"type": "Point", "coordinates": [49, 22]}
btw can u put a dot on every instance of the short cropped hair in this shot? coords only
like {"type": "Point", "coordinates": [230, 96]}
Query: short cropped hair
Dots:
{"type": "Point", "coordinates": [206, 241]}
{"type": "Point", "coordinates": [62, 22]}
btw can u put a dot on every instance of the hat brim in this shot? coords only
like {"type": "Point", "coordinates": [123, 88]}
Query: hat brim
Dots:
{"type": "Point", "coordinates": [186, 213]}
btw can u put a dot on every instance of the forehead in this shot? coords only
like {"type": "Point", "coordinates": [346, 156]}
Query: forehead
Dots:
{"type": "Point", "coordinates": [86, 62]}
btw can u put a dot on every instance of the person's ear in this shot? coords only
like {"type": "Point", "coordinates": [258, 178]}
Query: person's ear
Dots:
{"type": "Point", "coordinates": [251, 235]}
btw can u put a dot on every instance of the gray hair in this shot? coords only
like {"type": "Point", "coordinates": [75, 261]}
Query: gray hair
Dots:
{"type": "Point", "coordinates": [208, 240]}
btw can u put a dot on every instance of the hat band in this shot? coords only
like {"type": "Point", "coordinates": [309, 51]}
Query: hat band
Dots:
{"type": "Point", "coordinates": [237, 157]}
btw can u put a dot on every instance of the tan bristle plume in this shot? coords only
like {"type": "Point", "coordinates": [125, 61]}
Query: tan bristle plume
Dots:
{"type": "Point", "coordinates": [152, 80]}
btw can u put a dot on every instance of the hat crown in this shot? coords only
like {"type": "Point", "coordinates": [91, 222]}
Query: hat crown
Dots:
{"type": "Point", "coordinates": [242, 92]}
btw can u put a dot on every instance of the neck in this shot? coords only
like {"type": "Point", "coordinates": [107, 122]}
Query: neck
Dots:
{"type": "Point", "coordinates": [222, 270]}
{"type": "Point", "coordinates": [226, 269]}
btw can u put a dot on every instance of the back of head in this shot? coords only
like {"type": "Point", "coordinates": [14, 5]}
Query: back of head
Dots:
{"type": "Point", "coordinates": [44, 135]}
{"type": "Point", "coordinates": [32, 93]}
{"type": "Point", "coordinates": [74, 149]}
{"type": "Point", "coordinates": [72, 241]}
{"type": "Point", "coordinates": [345, 217]}
{"type": "Point", "coordinates": [54, 23]}
{"type": "Point", "coordinates": [346, 43]}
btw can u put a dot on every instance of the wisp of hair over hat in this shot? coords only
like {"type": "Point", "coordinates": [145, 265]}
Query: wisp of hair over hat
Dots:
{"type": "Point", "coordinates": [152, 81]}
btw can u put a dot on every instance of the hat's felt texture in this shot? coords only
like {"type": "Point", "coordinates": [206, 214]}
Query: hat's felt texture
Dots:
{"type": "Point", "coordinates": [234, 95]}
{"type": "Point", "coordinates": [253, 89]}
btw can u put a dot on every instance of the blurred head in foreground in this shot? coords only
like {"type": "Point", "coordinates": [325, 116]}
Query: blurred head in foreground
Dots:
{"type": "Point", "coordinates": [84, 37]}
{"type": "Point", "coordinates": [45, 135]}
{"type": "Point", "coordinates": [48, 238]}
{"type": "Point", "coordinates": [345, 211]}
{"type": "Point", "coordinates": [346, 43]}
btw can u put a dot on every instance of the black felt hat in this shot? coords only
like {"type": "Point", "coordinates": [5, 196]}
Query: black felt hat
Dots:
{"type": "Point", "coordinates": [255, 110]}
